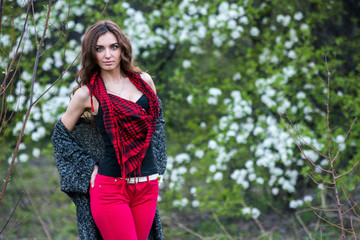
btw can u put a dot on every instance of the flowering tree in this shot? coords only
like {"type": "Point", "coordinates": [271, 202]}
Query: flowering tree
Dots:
{"type": "Point", "coordinates": [222, 69]}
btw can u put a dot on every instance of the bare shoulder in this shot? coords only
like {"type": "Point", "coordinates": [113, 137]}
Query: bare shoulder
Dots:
{"type": "Point", "coordinates": [82, 93]}
{"type": "Point", "coordinates": [147, 78]}
{"type": "Point", "coordinates": [78, 103]}
{"type": "Point", "coordinates": [82, 97]}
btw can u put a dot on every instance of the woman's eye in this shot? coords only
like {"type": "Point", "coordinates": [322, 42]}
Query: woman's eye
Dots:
{"type": "Point", "coordinates": [115, 47]}
{"type": "Point", "coordinates": [98, 49]}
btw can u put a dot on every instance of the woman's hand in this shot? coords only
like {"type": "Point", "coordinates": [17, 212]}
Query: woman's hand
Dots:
{"type": "Point", "coordinates": [93, 175]}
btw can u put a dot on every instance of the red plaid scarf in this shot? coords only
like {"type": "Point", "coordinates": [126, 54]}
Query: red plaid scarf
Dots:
{"type": "Point", "coordinates": [128, 125]}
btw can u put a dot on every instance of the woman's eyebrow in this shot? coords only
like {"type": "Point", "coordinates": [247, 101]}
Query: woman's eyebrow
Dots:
{"type": "Point", "coordinates": [109, 44]}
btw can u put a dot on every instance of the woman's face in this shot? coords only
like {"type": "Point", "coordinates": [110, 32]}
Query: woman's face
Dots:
{"type": "Point", "coordinates": [107, 52]}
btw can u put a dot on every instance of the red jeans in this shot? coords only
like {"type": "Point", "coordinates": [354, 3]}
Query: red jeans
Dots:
{"type": "Point", "coordinates": [121, 210]}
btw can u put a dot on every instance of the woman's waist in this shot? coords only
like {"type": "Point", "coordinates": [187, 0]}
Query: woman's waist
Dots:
{"type": "Point", "coordinates": [130, 180]}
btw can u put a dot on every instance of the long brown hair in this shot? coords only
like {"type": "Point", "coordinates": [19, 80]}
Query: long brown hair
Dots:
{"type": "Point", "coordinates": [88, 46]}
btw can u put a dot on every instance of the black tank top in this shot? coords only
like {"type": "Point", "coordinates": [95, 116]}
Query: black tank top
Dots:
{"type": "Point", "coordinates": [109, 165]}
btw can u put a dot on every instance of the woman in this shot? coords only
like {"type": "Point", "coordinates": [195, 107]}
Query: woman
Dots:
{"type": "Point", "coordinates": [122, 99]}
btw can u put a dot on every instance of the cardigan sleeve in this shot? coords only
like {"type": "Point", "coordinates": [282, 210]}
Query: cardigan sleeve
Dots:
{"type": "Point", "coordinates": [74, 164]}
{"type": "Point", "coordinates": [159, 141]}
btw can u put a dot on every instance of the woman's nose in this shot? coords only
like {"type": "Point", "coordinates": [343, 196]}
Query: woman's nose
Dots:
{"type": "Point", "coordinates": [107, 53]}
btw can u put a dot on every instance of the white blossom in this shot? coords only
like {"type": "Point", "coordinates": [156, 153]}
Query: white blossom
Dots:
{"type": "Point", "coordinates": [255, 213]}
{"type": "Point", "coordinates": [231, 24]}
{"type": "Point", "coordinates": [193, 191]}
{"type": "Point", "coordinates": [275, 191]}
{"type": "Point", "coordinates": [312, 155]}
{"type": "Point", "coordinates": [304, 27]}
{"type": "Point", "coordinates": [17, 128]}
{"type": "Point", "coordinates": [289, 71]}
{"type": "Point", "coordinates": [218, 176]}
{"type": "Point", "coordinates": [30, 126]}
{"type": "Point", "coordinates": [252, 177]}
{"type": "Point", "coordinates": [180, 203]}
{"type": "Point", "coordinates": [189, 99]}
{"type": "Point", "coordinates": [186, 63]}
{"type": "Point", "coordinates": [340, 139]}
{"type": "Point", "coordinates": [22, 146]}
{"type": "Point", "coordinates": [212, 21]}
{"type": "Point", "coordinates": [212, 168]}
{"type": "Point", "coordinates": [212, 100]}
{"type": "Point", "coordinates": [291, 54]}
{"type": "Point", "coordinates": [260, 180]}
{"type": "Point", "coordinates": [23, 157]}
{"type": "Point", "coordinates": [241, 10]}
{"type": "Point", "coordinates": [288, 44]}
{"type": "Point", "coordinates": [199, 153]}
{"type": "Point", "coordinates": [296, 203]}
{"type": "Point", "coordinates": [26, 76]}
{"type": "Point", "coordinates": [182, 158]}
{"type": "Point", "coordinates": [36, 152]}
{"type": "Point", "coordinates": [244, 20]}
{"type": "Point", "coordinates": [214, 92]}
{"type": "Point", "coordinates": [298, 16]}
{"type": "Point", "coordinates": [286, 20]}
{"type": "Point", "coordinates": [195, 203]}
{"type": "Point", "coordinates": [245, 184]}
{"type": "Point", "coordinates": [246, 210]}
{"type": "Point", "coordinates": [300, 95]}
{"type": "Point", "coordinates": [254, 31]}
{"type": "Point", "coordinates": [181, 170]}
{"type": "Point", "coordinates": [237, 76]}
{"type": "Point", "coordinates": [193, 170]}
{"type": "Point", "coordinates": [308, 198]}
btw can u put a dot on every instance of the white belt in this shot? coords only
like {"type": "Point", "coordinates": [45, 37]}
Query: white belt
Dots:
{"type": "Point", "coordinates": [133, 180]}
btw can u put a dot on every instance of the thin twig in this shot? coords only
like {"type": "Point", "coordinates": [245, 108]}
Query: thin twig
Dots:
{"type": "Point", "coordinates": [320, 209]}
{"type": "Point", "coordinates": [58, 79]}
{"type": "Point", "coordinates": [222, 226]}
{"type": "Point", "coordinates": [38, 215]}
{"type": "Point", "coordinates": [12, 213]}
{"type": "Point", "coordinates": [304, 226]}
{"type": "Point", "coordinates": [32, 211]}
{"type": "Point", "coordinates": [301, 149]}
{"type": "Point", "coordinates": [189, 230]}
{"type": "Point", "coordinates": [347, 135]}
{"type": "Point", "coordinates": [320, 183]}
{"type": "Point", "coordinates": [352, 227]}
{"type": "Point", "coordinates": [302, 139]}
{"type": "Point", "coordinates": [102, 13]}
{"type": "Point", "coordinates": [352, 169]}
{"type": "Point", "coordinates": [294, 225]}
{"type": "Point", "coordinates": [259, 224]}
{"type": "Point", "coordinates": [333, 224]}
{"type": "Point", "coordinates": [1, 10]}
{"type": "Point", "coordinates": [30, 104]}
{"type": "Point", "coordinates": [351, 201]}
{"type": "Point", "coordinates": [3, 85]}
{"type": "Point", "coordinates": [33, 12]}
{"type": "Point", "coordinates": [328, 108]}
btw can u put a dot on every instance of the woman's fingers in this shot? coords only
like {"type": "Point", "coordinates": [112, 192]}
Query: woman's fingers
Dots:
{"type": "Point", "coordinates": [93, 176]}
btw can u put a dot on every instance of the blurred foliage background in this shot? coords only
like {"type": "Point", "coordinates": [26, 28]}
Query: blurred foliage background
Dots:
{"type": "Point", "coordinates": [222, 69]}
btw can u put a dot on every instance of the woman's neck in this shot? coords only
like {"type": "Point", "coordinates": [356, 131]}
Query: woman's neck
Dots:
{"type": "Point", "coordinates": [112, 76]}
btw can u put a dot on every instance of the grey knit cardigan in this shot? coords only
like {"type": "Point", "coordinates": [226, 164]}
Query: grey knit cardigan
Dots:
{"type": "Point", "coordinates": [76, 153]}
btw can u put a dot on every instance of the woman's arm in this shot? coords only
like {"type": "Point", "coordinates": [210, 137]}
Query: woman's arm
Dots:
{"type": "Point", "coordinates": [78, 103]}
